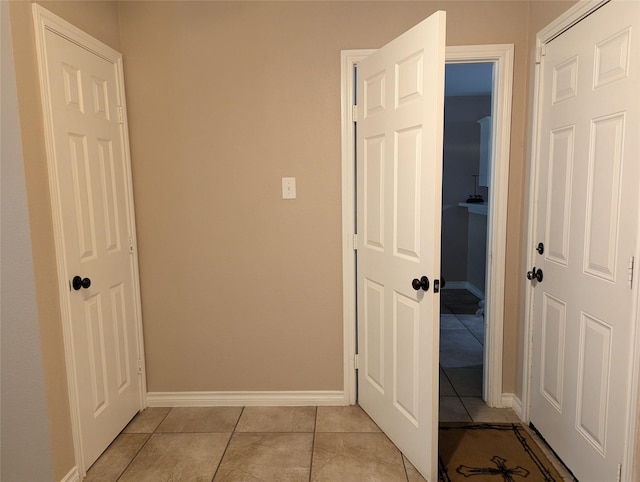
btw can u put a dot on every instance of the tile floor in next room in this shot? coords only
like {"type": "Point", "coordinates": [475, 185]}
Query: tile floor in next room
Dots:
{"type": "Point", "coordinates": [461, 361]}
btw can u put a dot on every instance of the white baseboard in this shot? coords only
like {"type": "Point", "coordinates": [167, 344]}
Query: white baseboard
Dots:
{"type": "Point", "coordinates": [464, 285]}
{"type": "Point", "coordinates": [512, 401]}
{"type": "Point", "coordinates": [243, 399]}
{"type": "Point", "coordinates": [72, 476]}
{"type": "Point", "coordinates": [476, 291]}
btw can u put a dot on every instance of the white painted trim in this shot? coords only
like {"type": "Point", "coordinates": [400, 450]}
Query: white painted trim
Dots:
{"type": "Point", "coordinates": [502, 58]}
{"type": "Point", "coordinates": [473, 289]}
{"type": "Point", "coordinates": [72, 476]}
{"type": "Point", "coordinates": [630, 463]}
{"type": "Point", "coordinates": [244, 399]}
{"type": "Point", "coordinates": [43, 21]}
{"type": "Point", "coordinates": [568, 19]}
{"type": "Point", "coordinates": [511, 400]}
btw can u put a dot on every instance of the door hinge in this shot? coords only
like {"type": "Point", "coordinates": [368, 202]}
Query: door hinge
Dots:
{"type": "Point", "coordinates": [619, 476]}
{"type": "Point", "coordinates": [354, 113]}
{"type": "Point", "coordinates": [355, 242]}
{"type": "Point", "coordinates": [120, 115]}
{"type": "Point", "coordinates": [631, 264]}
{"type": "Point", "coordinates": [355, 361]}
{"type": "Point", "coordinates": [540, 52]}
{"type": "Point", "coordinates": [130, 245]}
{"type": "Point", "coordinates": [139, 367]}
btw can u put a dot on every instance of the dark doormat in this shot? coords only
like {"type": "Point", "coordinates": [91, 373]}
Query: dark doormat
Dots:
{"type": "Point", "coordinates": [483, 452]}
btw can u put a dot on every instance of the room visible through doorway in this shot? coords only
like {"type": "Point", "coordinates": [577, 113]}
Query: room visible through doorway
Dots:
{"type": "Point", "coordinates": [465, 195]}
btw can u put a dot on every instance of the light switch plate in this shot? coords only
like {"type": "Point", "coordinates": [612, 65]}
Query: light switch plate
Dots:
{"type": "Point", "coordinates": [288, 188]}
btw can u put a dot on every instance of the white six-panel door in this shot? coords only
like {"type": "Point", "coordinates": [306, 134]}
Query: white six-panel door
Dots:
{"type": "Point", "coordinates": [399, 177]}
{"type": "Point", "coordinates": [587, 215]}
{"type": "Point", "coordinates": [91, 198]}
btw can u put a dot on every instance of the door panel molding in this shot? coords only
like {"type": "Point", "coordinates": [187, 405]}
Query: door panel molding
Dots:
{"type": "Point", "coordinates": [502, 58]}
{"type": "Point", "coordinates": [45, 21]}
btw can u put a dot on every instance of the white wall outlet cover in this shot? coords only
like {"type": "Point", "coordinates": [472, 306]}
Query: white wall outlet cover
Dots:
{"type": "Point", "coordinates": [288, 188]}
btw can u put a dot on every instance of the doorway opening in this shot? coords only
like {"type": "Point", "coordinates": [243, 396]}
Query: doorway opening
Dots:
{"type": "Point", "coordinates": [501, 57]}
{"type": "Point", "coordinates": [466, 173]}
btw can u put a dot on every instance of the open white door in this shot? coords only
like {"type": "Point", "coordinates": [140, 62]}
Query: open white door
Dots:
{"type": "Point", "coordinates": [399, 182]}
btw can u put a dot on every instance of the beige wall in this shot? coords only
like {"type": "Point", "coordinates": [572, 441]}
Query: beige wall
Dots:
{"type": "Point", "coordinates": [99, 19]}
{"type": "Point", "coordinates": [241, 290]}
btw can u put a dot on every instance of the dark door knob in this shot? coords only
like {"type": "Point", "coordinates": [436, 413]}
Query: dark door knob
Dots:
{"type": "Point", "coordinates": [78, 283]}
{"type": "Point", "coordinates": [422, 283]}
{"type": "Point", "coordinates": [535, 274]}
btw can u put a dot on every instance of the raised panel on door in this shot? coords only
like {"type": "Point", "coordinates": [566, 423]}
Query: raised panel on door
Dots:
{"type": "Point", "coordinates": [594, 372]}
{"type": "Point", "coordinates": [603, 196]}
{"type": "Point", "coordinates": [406, 368]}
{"type": "Point", "coordinates": [558, 199]}
{"type": "Point", "coordinates": [407, 176]}
{"type": "Point", "coordinates": [554, 319]}
{"type": "Point", "coordinates": [374, 185]}
{"type": "Point", "coordinates": [374, 332]}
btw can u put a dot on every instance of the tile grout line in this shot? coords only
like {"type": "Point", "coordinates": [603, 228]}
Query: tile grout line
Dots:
{"type": "Point", "coordinates": [457, 396]}
{"type": "Point", "coordinates": [143, 445]}
{"type": "Point", "coordinates": [215, 472]}
{"type": "Point", "coordinates": [404, 465]}
{"type": "Point", "coordinates": [313, 442]}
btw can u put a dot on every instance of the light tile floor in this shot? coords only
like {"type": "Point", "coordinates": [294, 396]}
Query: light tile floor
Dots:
{"type": "Point", "coordinates": [258, 444]}
{"type": "Point", "coordinates": [253, 444]}
{"type": "Point", "coordinates": [282, 444]}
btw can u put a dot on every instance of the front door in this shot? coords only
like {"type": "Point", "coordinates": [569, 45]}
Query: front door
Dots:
{"type": "Point", "coordinates": [92, 204]}
{"type": "Point", "coordinates": [588, 222]}
{"type": "Point", "coordinates": [399, 187]}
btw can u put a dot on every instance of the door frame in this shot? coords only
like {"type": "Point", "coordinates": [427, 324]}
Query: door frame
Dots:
{"type": "Point", "coordinates": [502, 57]}
{"type": "Point", "coordinates": [45, 20]}
{"type": "Point", "coordinates": [567, 20]}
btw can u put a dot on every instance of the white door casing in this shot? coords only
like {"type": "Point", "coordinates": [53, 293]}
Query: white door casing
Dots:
{"type": "Point", "coordinates": [584, 310]}
{"type": "Point", "coordinates": [90, 182]}
{"type": "Point", "coordinates": [501, 56]}
{"type": "Point", "coordinates": [399, 178]}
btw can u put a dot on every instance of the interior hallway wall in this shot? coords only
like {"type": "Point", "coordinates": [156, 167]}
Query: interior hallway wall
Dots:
{"type": "Point", "coordinates": [242, 290]}
{"type": "Point", "coordinates": [25, 446]}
